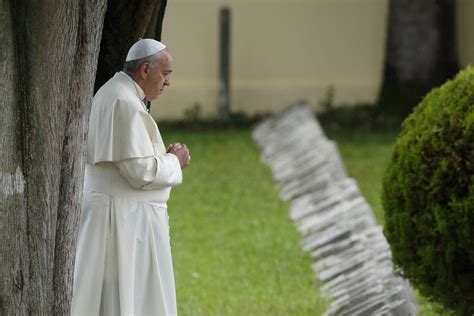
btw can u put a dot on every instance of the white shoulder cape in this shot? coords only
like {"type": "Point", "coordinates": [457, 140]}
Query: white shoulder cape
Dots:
{"type": "Point", "coordinates": [119, 126]}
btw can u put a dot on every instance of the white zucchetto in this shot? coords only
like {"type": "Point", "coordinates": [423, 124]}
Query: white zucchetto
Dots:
{"type": "Point", "coordinates": [144, 47]}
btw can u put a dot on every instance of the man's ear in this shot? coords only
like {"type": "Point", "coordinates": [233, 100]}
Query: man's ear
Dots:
{"type": "Point", "coordinates": [147, 67]}
{"type": "Point", "coordinates": [144, 68]}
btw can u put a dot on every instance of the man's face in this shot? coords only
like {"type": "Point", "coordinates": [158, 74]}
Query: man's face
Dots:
{"type": "Point", "coordinates": [158, 76]}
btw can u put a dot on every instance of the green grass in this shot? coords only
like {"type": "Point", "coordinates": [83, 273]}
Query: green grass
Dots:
{"type": "Point", "coordinates": [235, 251]}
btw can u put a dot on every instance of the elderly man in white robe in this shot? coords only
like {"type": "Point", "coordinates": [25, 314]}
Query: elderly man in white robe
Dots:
{"type": "Point", "coordinates": [123, 259]}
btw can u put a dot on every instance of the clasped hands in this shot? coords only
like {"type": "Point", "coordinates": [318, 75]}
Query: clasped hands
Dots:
{"type": "Point", "coordinates": [180, 151]}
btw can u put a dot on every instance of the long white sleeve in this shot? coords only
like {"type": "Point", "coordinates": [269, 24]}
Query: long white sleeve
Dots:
{"type": "Point", "coordinates": [151, 173]}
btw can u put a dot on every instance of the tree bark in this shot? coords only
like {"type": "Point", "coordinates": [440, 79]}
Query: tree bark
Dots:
{"type": "Point", "coordinates": [48, 52]}
{"type": "Point", "coordinates": [421, 40]}
{"type": "Point", "coordinates": [125, 22]}
{"type": "Point", "coordinates": [421, 49]}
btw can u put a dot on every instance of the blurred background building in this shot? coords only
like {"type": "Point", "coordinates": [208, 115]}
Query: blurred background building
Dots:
{"type": "Point", "coordinates": [282, 51]}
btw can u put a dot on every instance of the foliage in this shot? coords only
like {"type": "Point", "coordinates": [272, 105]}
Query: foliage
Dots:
{"type": "Point", "coordinates": [327, 103]}
{"type": "Point", "coordinates": [193, 114]}
{"type": "Point", "coordinates": [194, 122]}
{"type": "Point", "coordinates": [428, 195]}
{"type": "Point", "coordinates": [360, 117]}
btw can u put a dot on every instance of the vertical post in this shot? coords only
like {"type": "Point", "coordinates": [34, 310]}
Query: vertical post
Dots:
{"type": "Point", "coordinates": [224, 64]}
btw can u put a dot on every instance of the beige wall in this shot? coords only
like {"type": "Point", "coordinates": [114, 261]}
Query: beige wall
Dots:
{"type": "Point", "coordinates": [465, 31]}
{"type": "Point", "coordinates": [282, 51]}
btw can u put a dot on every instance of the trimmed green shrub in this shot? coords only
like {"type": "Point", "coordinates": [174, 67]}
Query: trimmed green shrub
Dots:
{"type": "Point", "coordinates": [428, 195]}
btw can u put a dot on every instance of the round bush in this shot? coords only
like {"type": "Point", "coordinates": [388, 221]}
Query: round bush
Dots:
{"type": "Point", "coordinates": [428, 195]}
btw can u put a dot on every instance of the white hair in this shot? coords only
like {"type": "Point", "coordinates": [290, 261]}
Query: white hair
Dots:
{"type": "Point", "coordinates": [132, 66]}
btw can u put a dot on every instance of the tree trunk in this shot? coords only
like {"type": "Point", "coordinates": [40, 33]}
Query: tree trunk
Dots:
{"type": "Point", "coordinates": [48, 53]}
{"type": "Point", "coordinates": [421, 49]}
{"type": "Point", "coordinates": [125, 22]}
{"type": "Point", "coordinates": [421, 40]}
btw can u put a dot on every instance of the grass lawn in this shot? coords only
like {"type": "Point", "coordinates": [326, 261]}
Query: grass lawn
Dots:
{"type": "Point", "coordinates": [235, 251]}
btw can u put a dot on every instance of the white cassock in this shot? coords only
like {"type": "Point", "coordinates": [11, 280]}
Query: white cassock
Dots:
{"type": "Point", "coordinates": [123, 258]}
